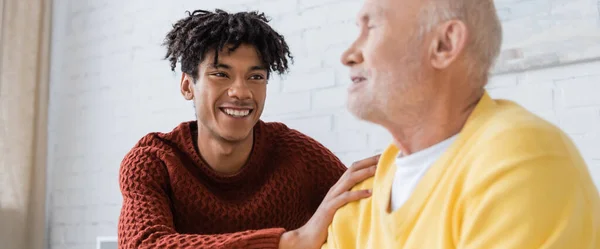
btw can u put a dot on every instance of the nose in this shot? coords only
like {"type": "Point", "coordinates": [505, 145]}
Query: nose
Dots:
{"type": "Point", "coordinates": [352, 56]}
{"type": "Point", "coordinates": [239, 90]}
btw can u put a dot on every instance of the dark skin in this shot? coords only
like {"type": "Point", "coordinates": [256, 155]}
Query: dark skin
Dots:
{"type": "Point", "coordinates": [229, 98]}
{"type": "Point", "coordinates": [238, 82]}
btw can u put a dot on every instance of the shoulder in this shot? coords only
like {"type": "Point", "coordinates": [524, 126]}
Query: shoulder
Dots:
{"type": "Point", "coordinates": [143, 160]}
{"type": "Point", "coordinates": [147, 148]}
{"type": "Point", "coordinates": [512, 130]}
{"type": "Point", "coordinates": [155, 148]}
{"type": "Point", "coordinates": [295, 143]}
{"type": "Point", "coordinates": [284, 137]}
{"type": "Point", "coordinates": [519, 162]}
{"type": "Point", "coordinates": [517, 149]}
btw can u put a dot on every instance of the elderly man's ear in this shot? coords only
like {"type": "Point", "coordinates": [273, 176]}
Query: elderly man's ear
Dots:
{"type": "Point", "coordinates": [448, 43]}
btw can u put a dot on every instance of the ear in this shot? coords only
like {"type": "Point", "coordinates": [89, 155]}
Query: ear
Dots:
{"type": "Point", "coordinates": [448, 43]}
{"type": "Point", "coordinates": [187, 86]}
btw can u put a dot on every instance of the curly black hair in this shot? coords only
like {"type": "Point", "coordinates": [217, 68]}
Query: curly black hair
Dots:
{"type": "Point", "coordinates": [203, 31]}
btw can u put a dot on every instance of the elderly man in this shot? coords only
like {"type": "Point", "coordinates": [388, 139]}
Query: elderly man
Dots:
{"type": "Point", "coordinates": [464, 170]}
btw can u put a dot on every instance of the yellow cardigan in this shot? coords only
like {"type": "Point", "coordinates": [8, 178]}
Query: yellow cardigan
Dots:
{"type": "Point", "coordinates": [510, 180]}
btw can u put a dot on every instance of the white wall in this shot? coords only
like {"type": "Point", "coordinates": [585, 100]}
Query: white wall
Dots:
{"type": "Point", "coordinates": [109, 87]}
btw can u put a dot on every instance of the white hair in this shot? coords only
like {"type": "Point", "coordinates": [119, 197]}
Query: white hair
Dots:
{"type": "Point", "coordinates": [483, 45]}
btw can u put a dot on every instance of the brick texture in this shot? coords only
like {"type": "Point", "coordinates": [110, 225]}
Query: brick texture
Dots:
{"type": "Point", "coordinates": [109, 87]}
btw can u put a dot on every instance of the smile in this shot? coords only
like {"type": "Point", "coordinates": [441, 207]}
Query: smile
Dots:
{"type": "Point", "coordinates": [236, 113]}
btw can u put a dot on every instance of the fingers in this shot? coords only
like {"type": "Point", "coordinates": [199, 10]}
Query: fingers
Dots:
{"type": "Point", "coordinates": [343, 199]}
{"type": "Point", "coordinates": [350, 196]}
{"type": "Point", "coordinates": [358, 165]}
{"type": "Point", "coordinates": [358, 172]}
{"type": "Point", "coordinates": [340, 194]}
{"type": "Point", "coordinates": [350, 179]}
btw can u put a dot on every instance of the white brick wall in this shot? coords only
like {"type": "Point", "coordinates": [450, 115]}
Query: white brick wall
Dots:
{"type": "Point", "coordinates": [109, 87]}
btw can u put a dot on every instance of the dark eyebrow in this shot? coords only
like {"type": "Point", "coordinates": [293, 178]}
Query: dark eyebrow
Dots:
{"type": "Point", "coordinates": [220, 65]}
{"type": "Point", "coordinates": [258, 68]}
{"type": "Point", "coordinates": [226, 66]}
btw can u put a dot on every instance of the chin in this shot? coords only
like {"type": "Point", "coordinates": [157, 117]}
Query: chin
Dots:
{"type": "Point", "coordinates": [363, 111]}
{"type": "Point", "coordinates": [360, 114]}
{"type": "Point", "coordinates": [235, 136]}
{"type": "Point", "coordinates": [356, 108]}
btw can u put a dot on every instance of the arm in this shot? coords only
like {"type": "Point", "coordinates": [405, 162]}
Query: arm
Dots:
{"type": "Point", "coordinates": [536, 202]}
{"type": "Point", "coordinates": [146, 220]}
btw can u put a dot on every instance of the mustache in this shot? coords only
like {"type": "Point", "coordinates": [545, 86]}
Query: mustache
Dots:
{"type": "Point", "coordinates": [359, 72]}
{"type": "Point", "coordinates": [239, 103]}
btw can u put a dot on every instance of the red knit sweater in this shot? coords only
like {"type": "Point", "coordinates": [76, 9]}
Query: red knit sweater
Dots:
{"type": "Point", "coordinates": [173, 199]}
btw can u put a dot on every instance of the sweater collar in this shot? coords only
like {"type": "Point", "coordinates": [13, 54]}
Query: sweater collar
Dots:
{"type": "Point", "coordinates": [187, 138]}
{"type": "Point", "coordinates": [384, 175]}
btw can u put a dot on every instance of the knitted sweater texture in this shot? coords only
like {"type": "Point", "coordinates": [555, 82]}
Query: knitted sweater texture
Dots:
{"type": "Point", "coordinates": [173, 199]}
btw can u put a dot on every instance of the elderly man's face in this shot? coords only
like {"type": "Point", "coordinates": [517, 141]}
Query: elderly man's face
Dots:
{"type": "Point", "coordinates": [386, 60]}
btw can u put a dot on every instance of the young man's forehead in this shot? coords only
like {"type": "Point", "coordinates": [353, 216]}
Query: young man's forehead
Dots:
{"type": "Point", "coordinates": [228, 56]}
{"type": "Point", "coordinates": [228, 63]}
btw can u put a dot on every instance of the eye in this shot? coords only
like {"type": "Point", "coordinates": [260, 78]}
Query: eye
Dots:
{"type": "Point", "coordinates": [220, 75]}
{"type": "Point", "coordinates": [257, 77]}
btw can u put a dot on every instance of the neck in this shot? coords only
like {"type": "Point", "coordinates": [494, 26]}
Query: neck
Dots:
{"type": "Point", "coordinates": [223, 156]}
{"type": "Point", "coordinates": [443, 118]}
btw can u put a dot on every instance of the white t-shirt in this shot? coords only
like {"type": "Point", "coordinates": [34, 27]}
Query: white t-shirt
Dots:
{"type": "Point", "coordinates": [410, 169]}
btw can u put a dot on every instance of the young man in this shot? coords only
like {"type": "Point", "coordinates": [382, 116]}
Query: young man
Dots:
{"type": "Point", "coordinates": [465, 170]}
{"type": "Point", "coordinates": [229, 180]}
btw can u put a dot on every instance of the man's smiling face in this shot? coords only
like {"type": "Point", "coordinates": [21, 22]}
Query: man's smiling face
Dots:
{"type": "Point", "coordinates": [229, 96]}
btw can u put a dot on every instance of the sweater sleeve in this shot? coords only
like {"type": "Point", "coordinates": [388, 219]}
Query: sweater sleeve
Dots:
{"type": "Point", "coordinates": [146, 220]}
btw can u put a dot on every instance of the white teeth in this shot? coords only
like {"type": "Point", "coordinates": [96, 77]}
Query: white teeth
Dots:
{"type": "Point", "coordinates": [236, 113]}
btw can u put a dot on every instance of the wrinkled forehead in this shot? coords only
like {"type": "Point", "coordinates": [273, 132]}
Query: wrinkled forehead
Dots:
{"type": "Point", "coordinates": [389, 9]}
{"type": "Point", "coordinates": [371, 9]}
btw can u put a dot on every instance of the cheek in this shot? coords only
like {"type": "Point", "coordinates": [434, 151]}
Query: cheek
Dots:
{"type": "Point", "coordinates": [380, 54]}
{"type": "Point", "coordinates": [207, 97]}
{"type": "Point", "coordinates": [201, 95]}
{"type": "Point", "coordinates": [260, 93]}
